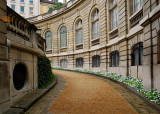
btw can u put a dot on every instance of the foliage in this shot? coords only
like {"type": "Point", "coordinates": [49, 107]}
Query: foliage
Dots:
{"type": "Point", "coordinates": [45, 76]}
{"type": "Point", "coordinates": [55, 6]}
{"type": "Point", "coordinates": [152, 95]}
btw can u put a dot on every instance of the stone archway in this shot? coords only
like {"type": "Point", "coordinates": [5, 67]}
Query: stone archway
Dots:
{"type": "Point", "coordinates": [19, 76]}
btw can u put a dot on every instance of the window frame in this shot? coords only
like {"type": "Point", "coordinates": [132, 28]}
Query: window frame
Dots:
{"type": "Point", "coordinates": [30, 10]}
{"type": "Point", "coordinates": [79, 62]}
{"type": "Point", "coordinates": [139, 50]}
{"type": "Point", "coordinates": [79, 29]}
{"type": "Point", "coordinates": [96, 22]}
{"type": "Point", "coordinates": [63, 63]}
{"type": "Point", "coordinates": [62, 38]}
{"type": "Point", "coordinates": [115, 59]}
{"type": "Point", "coordinates": [50, 39]}
{"type": "Point", "coordinates": [23, 9]}
{"type": "Point", "coordinates": [96, 61]}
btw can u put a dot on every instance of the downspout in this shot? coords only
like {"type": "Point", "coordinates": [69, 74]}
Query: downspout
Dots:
{"type": "Point", "coordinates": [152, 86]}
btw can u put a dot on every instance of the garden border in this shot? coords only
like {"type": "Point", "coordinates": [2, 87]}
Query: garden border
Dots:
{"type": "Point", "coordinates": [129, 88]}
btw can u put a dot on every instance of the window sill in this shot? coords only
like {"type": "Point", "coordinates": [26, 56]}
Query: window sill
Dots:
{"type": "Point", "coordinates": [113, 33]}
{"type": "Point", "coordinates": [79, 44]}
{"type": "Point", "coordinates": [136, 17]}
{"type": "Point", "coordinates": [63, 48]}
{"type": "Point", "coordinates": [114, 30]}
{"type": "Point", "coordinates": [95, 39]}
{"type": "Point", "coordinates": [49, 50]}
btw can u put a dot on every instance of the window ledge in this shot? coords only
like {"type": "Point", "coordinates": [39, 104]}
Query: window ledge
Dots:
{"type": "Point", "coordinates": [114, 30]}
{"type": "Point", "coordinates": [63, 48]}
{"type": "Point", "coordinates": [49, 50]}
{"type": "Point", "coordinates": [134, 14]}
{"type": "Point", "coordinates": [94, 39]}
{"type": "Point", "coordinates": [79, 44]}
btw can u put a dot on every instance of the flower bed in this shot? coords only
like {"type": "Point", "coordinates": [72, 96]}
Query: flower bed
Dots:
{"type": "Point", "coordinates": [152, 95]}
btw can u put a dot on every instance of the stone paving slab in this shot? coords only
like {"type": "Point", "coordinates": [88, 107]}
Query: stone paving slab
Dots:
{"type": "Point", "coordinates": [29, 99]}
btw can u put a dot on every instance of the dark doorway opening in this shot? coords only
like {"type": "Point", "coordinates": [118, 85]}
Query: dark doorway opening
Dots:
{"type": "Point", "coordinates": [19, 76]}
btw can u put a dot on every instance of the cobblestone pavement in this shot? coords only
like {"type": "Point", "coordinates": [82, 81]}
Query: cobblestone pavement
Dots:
{"type": "Point", "coordinates": [86, 94]}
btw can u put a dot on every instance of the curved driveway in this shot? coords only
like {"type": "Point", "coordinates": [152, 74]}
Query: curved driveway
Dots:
{"type": "Point", "coordinates": [78, 93]}
{"type": "Point", "coordinates": [86, 94]}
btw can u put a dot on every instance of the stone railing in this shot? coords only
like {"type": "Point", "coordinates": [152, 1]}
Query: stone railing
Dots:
{"type": "Point", "coordinates": [18, 25]}
{"type": "Point", "coordinates": [41, 42]}
{"type": "Point", "coordinates": [54, 12]}
{"type": "Point", "coordinates": [135, 18]}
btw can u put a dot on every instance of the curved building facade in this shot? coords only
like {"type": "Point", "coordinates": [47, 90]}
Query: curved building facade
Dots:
{"type": "Point", "coordinates": [120, 36]}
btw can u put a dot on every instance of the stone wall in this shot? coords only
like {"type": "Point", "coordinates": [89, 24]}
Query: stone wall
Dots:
{"type": "Point", "coordinates": [4, 61]}
{"type": "Point", "coordinates": [141, 26]}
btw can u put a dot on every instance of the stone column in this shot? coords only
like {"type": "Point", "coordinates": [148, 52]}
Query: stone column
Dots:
{"type": "Point", "coordinates": [4, 62]}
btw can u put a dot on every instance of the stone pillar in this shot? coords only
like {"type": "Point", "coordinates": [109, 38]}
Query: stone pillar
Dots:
{"type": "Point", "coordinates": [4, 62]}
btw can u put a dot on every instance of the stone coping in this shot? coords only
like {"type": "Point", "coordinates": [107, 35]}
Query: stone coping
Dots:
{"type": "Point", "coordinates": [27, 101]}
{"type": "Point", "coordinates": [129, 88]}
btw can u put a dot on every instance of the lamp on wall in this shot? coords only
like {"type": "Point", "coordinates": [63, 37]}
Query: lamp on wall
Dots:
{"type": "Point", "coordinates": [39, 31]}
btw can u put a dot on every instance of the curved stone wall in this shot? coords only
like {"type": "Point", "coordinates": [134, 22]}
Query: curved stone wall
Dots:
{"type": "Point", "coordinates": [132, 30]}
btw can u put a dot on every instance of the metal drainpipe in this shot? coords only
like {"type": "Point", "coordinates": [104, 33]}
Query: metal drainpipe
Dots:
{"type": "Point", "coordinates": [152, 86]}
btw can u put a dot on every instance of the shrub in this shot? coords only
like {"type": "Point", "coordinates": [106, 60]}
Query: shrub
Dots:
{"type": "Point", "coordinates": [45, 76]}
{"type": "Point", "coordinates": [55, 6]}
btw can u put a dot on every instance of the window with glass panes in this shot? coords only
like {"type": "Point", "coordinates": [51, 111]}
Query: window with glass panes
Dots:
{"type": "Point", "coordinates": [96, 61]}
{"type": "Point", "coordinates": [12, 7]}
{"type": "Point", "coordinates": [31, 10]}
{"type": "Point", "coordinates": [114, 59]}
{"type": "Point", "coordinates": [114, 15]}
{"type": "Point", "coordinates": [137, 4]}
{"type": "Point", "coordinates": [95, 24]}
{"type": "Point", "coordinates": [63, 63]}
{"type": "Point", "coordinates": [79, 32]}
{"type": "Point", "coordinates": [21, 9]}
{"type": "Point", "coordinates": [137, 55]}
{"type": "Point", "coordinates": [63, 37]}
{"type": "Point", "coordinates": [48, 37]}
{"type": "Point", "coordinates": [79, 62]}
{"type": "Point", "coordinates": [22, 1]}
{"type": "Point", "coordinates": [31, 1]}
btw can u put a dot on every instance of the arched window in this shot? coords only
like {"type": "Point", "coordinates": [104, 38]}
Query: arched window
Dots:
{"type": "Point", "coordinates": [63, 37]}
{"type": "Point", "coordinates": [137, 55]}
{"type": "Point", "coordinates": [79, 32]}
{"type": "Point", "coordinates": [79, 62]}
{"type": "Point", "coordinates": [48, 37]}
{"type": "Point", "coordinates": [114, 59]}
{"type": "Point", "coordinates": [96, 61]}
{"type": "Point", "coordinates": [63, 63]}
{"type": "Point", "coordinates": [95, 24]}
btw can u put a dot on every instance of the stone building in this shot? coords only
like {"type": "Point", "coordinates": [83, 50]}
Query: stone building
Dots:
{"type": "Point", "coordinates": [46, 4]}
{"type": "Point", "coordinates": [19, 47]}
{"type": "Point", "coordinates": [26, 8]}
{"type": "Point", "coordinates": [120, 36]}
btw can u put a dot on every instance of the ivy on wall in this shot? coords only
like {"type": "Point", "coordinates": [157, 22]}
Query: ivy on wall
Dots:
{"type": "Point", "coordinates": [45, 75]}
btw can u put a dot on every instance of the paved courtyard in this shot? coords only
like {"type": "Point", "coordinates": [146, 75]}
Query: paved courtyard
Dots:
{"type": "Point", "coordinates": [78, 93]}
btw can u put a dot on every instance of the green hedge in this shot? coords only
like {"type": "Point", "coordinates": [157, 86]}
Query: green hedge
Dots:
{"type": "Point", "coordinates": [45, 75]}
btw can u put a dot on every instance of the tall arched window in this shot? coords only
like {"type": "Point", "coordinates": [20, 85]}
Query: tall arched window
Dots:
{"type": "Point", "coordinates": [114, 59]}
{"type": "Point", "coordinates": [63, 37]}
{"type": "Point", "coordinates": [79, 32]}
{"type": "Point", "coordinates": [95, 24]}
{"type": "Point", "coordinates": [48, 37]}
{"type": "Point", "coordinates": [137, 55]}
